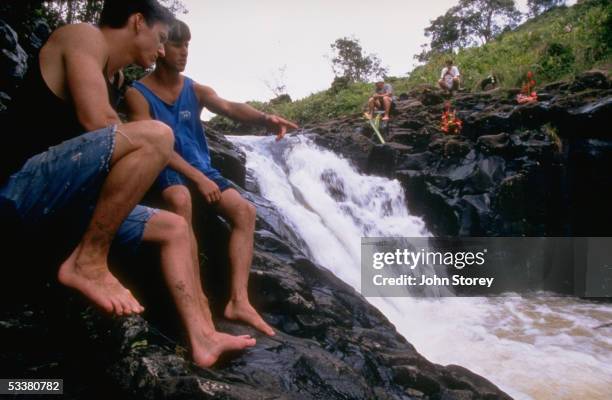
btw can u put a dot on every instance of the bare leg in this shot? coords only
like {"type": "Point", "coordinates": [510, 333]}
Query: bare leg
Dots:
{"type": "Point", "coordinates": [241, 215]}
{"type": "Point", "coordinates": [142, 149]}
{"type": "Point", "coordinates": [442, 85]}
{"type": "Point", "coordinates": [178, 199]}
{"type": "Point", "coordinates": [173, 235]}
{"type": "Point", "coordinates": [387, 106]}
{"type": "Point", "coordinates": [371, 106]}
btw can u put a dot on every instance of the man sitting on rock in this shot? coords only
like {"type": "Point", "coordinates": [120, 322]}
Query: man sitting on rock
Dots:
{"type": "Point", "coordinates": [87, 185]}
{"type": "Point", "coordinates": [449, 78]}
{"type": "Point", "coordinates": [169, 96]}
{"type": "Point", "coordinates": [382, 99]}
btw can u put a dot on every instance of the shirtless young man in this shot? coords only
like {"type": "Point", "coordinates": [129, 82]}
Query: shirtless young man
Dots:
{"type": "Point", "coordinates": [96, 179]}
{"type": "Point", "coordinates": [169, 96]}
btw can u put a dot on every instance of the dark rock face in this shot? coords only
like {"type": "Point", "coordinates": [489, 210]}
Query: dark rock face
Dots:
{"type": "Point", "coordinates": [13, 58]}
{"type": "Point", "coordinates": [513, 170]}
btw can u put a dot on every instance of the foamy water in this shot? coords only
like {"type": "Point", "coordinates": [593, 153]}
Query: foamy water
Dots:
{"type": "Point", "coordinates": [540, 347]}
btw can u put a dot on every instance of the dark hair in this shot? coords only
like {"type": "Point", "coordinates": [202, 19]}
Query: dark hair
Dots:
{"type": "Point", "coordinates": [115, 13]}
{"type": "Point", "coordinates": [179, 32]}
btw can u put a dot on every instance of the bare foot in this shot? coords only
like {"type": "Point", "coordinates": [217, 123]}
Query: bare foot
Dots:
{"type": "Point", "coordinates": [98, 285]}
{"type": "Point", "coordinates": [206, 350]}
{"type": "Point", "coordinates": [245, 312]}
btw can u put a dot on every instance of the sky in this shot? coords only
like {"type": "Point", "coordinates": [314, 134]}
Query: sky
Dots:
{"type": "Point", "coordinates": [238, 45]}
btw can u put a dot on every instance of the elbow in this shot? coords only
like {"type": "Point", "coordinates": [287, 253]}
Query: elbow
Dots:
{"type": "Point", "coordinates": [98, 121]}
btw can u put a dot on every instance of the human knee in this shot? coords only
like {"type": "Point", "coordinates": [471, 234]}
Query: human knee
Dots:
{"type": "Point", "coordinates": [246, 213]}
{"type": "Point", "coordinates": [156, 137]}
{"type": "Point", "coordinates": [179, 200]}
{"type": "Point", "coordinates": [175, 228]}
{"type": "Point", "coordinates": [162, 138]}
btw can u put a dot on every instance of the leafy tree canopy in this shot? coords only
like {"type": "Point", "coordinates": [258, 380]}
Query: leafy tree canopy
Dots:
{"type": "Point", "coordinates": [350, 62]}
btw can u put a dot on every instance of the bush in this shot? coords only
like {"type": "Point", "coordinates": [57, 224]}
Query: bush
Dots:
{"type": "Point", "coordinates": [556, 61]}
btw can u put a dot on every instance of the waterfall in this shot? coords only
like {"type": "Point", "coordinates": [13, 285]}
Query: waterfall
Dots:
{"type": "Point", "coordinates": [542, 347]}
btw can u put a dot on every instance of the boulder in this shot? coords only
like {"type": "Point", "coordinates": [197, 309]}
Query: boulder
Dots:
{"type": "Point", "coordinates": [13, 58]}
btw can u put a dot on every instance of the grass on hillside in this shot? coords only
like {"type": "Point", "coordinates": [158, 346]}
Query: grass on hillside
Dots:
{"type": "Point", "coordinates": [555, 45]}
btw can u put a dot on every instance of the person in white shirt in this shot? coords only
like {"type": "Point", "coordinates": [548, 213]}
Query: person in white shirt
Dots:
{"type": "Point", "coordinates": [449, 78]}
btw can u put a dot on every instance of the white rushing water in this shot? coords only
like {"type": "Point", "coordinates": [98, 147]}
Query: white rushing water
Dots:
{"type": "Point", "coordinates": [533, 348]}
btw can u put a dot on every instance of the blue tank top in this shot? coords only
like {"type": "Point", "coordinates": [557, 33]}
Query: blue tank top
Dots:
{"type": "Point", "coordinates": [184, 118]}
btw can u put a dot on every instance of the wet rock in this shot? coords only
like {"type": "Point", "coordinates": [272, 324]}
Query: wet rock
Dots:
{"type": "Point", "coordinates": [494, 144]}
{"type": "Point", "coordinates": [38, 36]}
{"type": "Point", "coordinates": [384, 157]}
{"type": "Point", "coordinates": [13, 58]}
{"type": "Point", "coordinates": [226, 157]}
{"type": "Point", "coordinates": [510, 200]}
{"type": "Point", "coordinates": [454, 148]}
{"type": "Point", "coordinates": [593, 79]}
{"type": "Point", "coordinates": [418, 161]}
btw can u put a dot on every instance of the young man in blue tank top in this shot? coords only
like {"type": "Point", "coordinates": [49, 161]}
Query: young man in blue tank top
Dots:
{"type": "Point", "coordinates": [96, 179]}
{"type": "Point", "coordinates": [166, 94]}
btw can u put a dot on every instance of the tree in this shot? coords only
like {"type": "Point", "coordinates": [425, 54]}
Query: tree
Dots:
{"type": "Point", "coordinates": [278, 83]}
{"type": "Point", "coordinates": [350, 62]}
{"type": "Point", "coordinates": [448, 32]}
{"type": "Point", "coordinates": [470, 22]}
{"type": "Point", "coordinates": [72, 11]}
{"type": "Point", "coordinates": [537, 7]}
{"type": "Point", "coordinates": [485, 19]}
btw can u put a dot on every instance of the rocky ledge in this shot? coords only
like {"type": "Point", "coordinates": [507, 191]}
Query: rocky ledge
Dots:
{"type": "Point", "coordinates": [514, 170]}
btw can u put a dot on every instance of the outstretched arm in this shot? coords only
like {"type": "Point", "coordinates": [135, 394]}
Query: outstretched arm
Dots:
{"type": "Point", "coordinates": [242, 112]}
{"type": "Point", "coordinates": [138, 110]}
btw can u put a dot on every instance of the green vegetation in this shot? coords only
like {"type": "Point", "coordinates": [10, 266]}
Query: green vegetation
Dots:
{"type": "Point", "coordinates": [555, 45]}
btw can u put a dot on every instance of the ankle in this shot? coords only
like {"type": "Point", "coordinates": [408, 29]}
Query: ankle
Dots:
{"type": "Point", "coordinates": [239, 299]}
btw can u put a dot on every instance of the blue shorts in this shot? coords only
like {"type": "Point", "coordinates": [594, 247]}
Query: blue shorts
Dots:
{"type": "Point", "coordinates": [170, 177]}
{"type": "Point", "coordinates": [64, 182]}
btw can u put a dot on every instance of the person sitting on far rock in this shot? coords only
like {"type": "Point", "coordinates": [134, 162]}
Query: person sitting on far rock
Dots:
{"type": "Point", "coordinates": [86, 186]}
{"type": "Point", "coordinates": [382, 99]}
{"type": "Point", "coordinates": [449, 78]}
{"type": "Point", "coordinates": [169, 96]}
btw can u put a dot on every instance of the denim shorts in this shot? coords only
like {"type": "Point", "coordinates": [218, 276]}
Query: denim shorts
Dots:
{"type": "Point", "coordinates": [170, 177]}
{"type": "Point", "coordinates": [63, 184]}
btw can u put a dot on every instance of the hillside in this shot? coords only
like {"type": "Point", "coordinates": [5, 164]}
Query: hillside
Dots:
{"type": "Point", "coordinates": [555, 45]}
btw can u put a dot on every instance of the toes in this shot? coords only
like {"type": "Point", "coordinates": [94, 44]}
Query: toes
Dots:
{"type": "Point", "coordinates": [117, 308]}
{"type": "Point", "coordinates": [107, 306]}
{"type": "Point", "coordinates": [135, 305]}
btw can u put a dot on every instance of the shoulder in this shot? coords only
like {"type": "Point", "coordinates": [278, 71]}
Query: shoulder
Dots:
{"type": "Point", "coordinates": [134, 96]}
{"type": "Point", "coordinates": [82, 38]}
{"type": "Point", "coordinates": [80, 34]}
{"type": "Point", "coordinates": [202, 92]}
{"type": "Point", "coordinates": [138, 106]}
